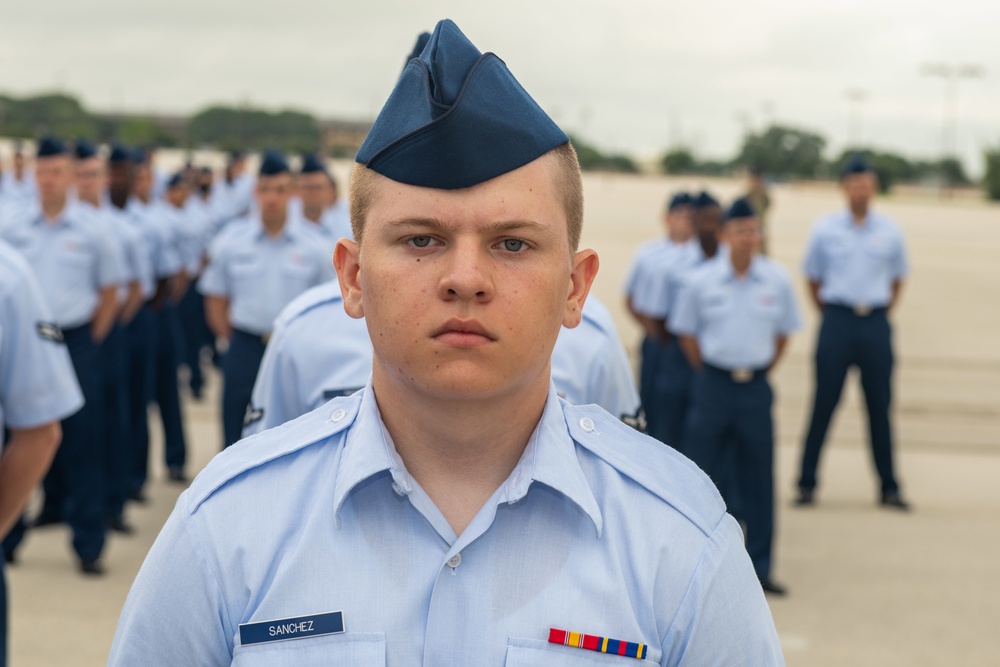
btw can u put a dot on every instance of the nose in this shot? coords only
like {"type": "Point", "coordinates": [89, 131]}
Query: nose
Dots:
{"type": "Point", "coordinates": [467, 274]}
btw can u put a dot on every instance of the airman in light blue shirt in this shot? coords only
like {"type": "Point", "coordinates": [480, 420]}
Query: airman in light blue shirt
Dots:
{"type": "Point", "coordinates": [456, 511]}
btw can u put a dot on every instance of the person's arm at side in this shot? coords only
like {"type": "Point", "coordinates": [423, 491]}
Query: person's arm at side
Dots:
{"type": "Point", "coordinates": [217, 316]}
{"type": "Point", "coordinates": [897, 291]}
{"type": "Point", "coordinates": [26, 457]}
{"type": "Point", "coordinates": [724, 620]}
{"type": "Point", "coordinates": [176, 612]}
{"type": "Point", "coordinates": [689, 346]}
{"type": "Point", "coordinates": [685, 325]}
{"type": "Point", "coordinates": [105, 313]}
{"type": "Point", "coordinates": [813, 266]}
{"type": "Point", "coordinates": [900, 269]}
{"type": "Point", "coordinates": [272, 390]}
{"type": "Point", "coordinates": [133, 302]}
{"type": "Point", "coordinates": [789, 321]}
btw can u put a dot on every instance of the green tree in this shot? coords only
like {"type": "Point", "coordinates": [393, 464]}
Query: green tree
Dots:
{"type": "Point", "coordinates": [225, 127]}
{"type": "Point", "coordinates": [144, 132]}
{"type": "Point", "coordinates": [784, 151]}
{"type": "Point", "coordinates": [55, 113]}
{"type": "Point", "coordinates": [592, 159]}
{"type": "Point", "coordinates": [991, 179]}
{"type": "Point", "coordinates": [679, 161]}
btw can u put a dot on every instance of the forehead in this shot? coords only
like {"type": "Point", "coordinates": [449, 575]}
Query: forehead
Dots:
{"type": "Point", "coordinates": [274, 180]}
{"type": "Point", "coordinates": [529, 193]}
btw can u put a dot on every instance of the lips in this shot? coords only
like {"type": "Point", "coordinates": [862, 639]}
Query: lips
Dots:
{"type": "Point", "coordinates": [463, 333]}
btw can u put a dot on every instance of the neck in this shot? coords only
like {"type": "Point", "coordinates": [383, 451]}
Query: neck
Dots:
{"type": "Point", "coordinates": [53, 207]}
{"type": "Point", "coordinates": [459, 450]}
{"type": "Point", "coordinates": [274, 225]}
{"type": "Point", "coordinates": [741, 263]}
{"type": "Point", "coordinates": [709, 248]}
{"type": "Point", "coordinates": [312, 214]}
{"type": "Point", "coordinates": [860, 212]}
{"type": "Point", "coordinates": [678, 238]}
{"type": "Point", "coordinates": [92, 199]}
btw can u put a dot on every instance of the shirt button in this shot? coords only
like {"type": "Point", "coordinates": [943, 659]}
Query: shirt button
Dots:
{"type": "Point", "coordinates": [455, 561]}
{"type": "Point", "coordinates": [338, 415]}
{"type": "Point", "coordinates": [400, 491]}
{"type": "Point", "coordinates": [587, 424]}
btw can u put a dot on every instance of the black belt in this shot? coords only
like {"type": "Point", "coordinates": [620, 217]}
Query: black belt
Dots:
{"type": "Point", "coordinates": [859, 311]}
{"type": "Point", "coordinates": [263, 338]}
{"type": "Point", "coordinates": [737, 375]}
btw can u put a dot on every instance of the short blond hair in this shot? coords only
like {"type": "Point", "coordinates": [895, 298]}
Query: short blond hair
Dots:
{"type": "Point", "coordinates": [569, 182]}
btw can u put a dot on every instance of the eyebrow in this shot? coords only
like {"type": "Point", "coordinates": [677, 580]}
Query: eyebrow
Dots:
{"type": "Point", "coordinates": [500, 226]}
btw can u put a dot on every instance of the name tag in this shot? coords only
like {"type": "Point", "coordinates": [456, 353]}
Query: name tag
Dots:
{"type": "Point", "coordinates": [292, 628]}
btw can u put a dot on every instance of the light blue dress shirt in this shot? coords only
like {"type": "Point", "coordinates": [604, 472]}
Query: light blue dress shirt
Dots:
{"type": "Point", "coordinates": [72, 258]}
{"type": "Point", "coordinates": [598, 529]}
{"type": "Point", "coordinates": [590, 365]}
{"type": "Point", "coordinates": [647, 264]}
{"type": "Point", "coordinates": [164, 254]}
{"type": "Point", "coordinates": [317, 352]}
{"type": "Point", "coordinates": [261, 275]}
{"type": "Point", "coordinates": [856, 265]}
{"type": "Point", "coordinates": [667, 276]}
{"type": "Point", "coordinates": [128, 243]}
{"type": "Point", "coordinates": [337, 220]}
{"type": "Point", "coordinates": [37, 383]}
{"type": "Point", "coordinates": [736, 320]}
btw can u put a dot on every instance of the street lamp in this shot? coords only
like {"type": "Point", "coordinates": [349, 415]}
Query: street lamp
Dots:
{"type": "Point", "coordinates": [855, 98]}
{"type": "Point", "coordinates": [951, 74]}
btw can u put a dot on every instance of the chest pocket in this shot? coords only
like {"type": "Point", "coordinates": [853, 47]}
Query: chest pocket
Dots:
{"type": "Point", "coordinates": [297, 277]}
{"type": "Point", "coordinates": [538, 653]}
{"type": "Point", "coordinates": [879, 246]}
{"type": "Point", "coordinates": [354, 649]}
{"type": "Point", "coordinates": [716, 305]}
{"type": "Point", "coordinates": [764, 303]}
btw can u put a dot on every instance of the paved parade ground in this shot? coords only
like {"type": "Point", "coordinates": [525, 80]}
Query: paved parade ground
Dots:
{"type": "Point", "coordinates": [868, 586]}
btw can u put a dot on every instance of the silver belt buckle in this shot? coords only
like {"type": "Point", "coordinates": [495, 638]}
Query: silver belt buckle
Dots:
{"type": "Point", "coordinates": [862, 311]}
{"type": "Point", "coordinates": [741, 375]}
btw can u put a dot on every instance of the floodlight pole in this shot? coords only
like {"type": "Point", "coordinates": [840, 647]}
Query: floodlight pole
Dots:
{"type": "Point", "coordinates": [951, 75]}
{"type": "Point", "coordinates": [855, 98]}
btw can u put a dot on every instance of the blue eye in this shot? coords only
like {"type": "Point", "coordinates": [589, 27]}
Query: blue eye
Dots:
{"type": "Point", "coordinates": [421, 241]}
{"type": "Point", "coordinates": [513, 245]}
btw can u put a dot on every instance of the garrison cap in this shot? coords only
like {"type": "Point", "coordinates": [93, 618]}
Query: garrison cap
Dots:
{"type": "Point", "coordinates": [739, 209]}
{"type": "Point", "coordinates": [273, 163]}
{"type": "Point", "coordinates": [84, 150]}
{"type": "Point", "coordinates": [678, 200]}
{"type": "Point", "coordinates": [119, 154]}
{"type": "Point", "coordinates": [177, 178]}
{"type": "Point", "coordinates": [422, 40]}
{"type": "Point", "coordinates": [856, 164]}
{"type": "Point", "coordinates": [49, 146]}
{"type": "Point", "coordinates": [704, 200]}
{"type": "Point", "coordinates": [312, 164]}
{"type": "Point", "coordinates": [456, 118]}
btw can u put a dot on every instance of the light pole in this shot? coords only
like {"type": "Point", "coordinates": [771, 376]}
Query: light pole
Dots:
{"type": "Point", "coordinates": [951, 74]}
{"type": "Point", "coordinates": [855, 98]}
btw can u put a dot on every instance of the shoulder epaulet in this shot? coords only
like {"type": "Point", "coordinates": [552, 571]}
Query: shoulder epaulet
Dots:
{"type": "Point", "coordinates": [660, 469]}
{"type": "Point", "coordinates": [328, 292]}
{"type": "Point", "coordinates": [262, 448]}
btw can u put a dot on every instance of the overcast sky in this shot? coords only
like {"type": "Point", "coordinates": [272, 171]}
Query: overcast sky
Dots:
{"type": "Point", "coordinates": [630, 75]}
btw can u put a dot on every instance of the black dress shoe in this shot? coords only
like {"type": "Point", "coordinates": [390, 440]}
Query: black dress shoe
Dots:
{"type": "Point", "coordinates": [43, 520]}
{"type": "Point", "coordinates": [806, 498]}
{"type": "Point", "coordinates": [91, 568]}
{"type": "Point", "coordinates": [894, 501]}
{"type": "Point", "coordinates": [772, 588]}
{"type": "Point", "coordinates": [138, 497]}
{"type": "Point", "coordinates": [118, 525]}
{"type": "Point", "coordinates": [177, 475]}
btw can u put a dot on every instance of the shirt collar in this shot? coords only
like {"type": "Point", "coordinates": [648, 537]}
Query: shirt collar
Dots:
{"type": "Point", "coordinates": [288, 233]}
{"type": "Point", "coordinates": [549, 459]}
{"type": "Point", "coordinates": [755, 271]}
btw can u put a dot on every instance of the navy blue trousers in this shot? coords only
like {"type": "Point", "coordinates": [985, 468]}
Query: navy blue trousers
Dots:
{"type": "Point", "coordinates": [166, 332]}
{"type": "Point", "coordinates": [671, 396]}
{"type": "Point", "coordinates": [76, 487]}
{"type": "Point", "coordinates": [239, 371]}
{"type": "Point", "coordinates": [847, 339]}
{"type": "Point", "coordinates": [730, 435]}
{"type": "Point", "coordinates": [140, 345]}
{"type": "Point", "coordinates": [195, 336]}
{"type": "Point", "coordinates": [114, 378]}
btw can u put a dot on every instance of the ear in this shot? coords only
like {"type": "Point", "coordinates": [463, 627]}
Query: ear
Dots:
{"type": "Point", "coordinates": [346, 260]}
{"type": "Point", "coordinates": [585, 265]}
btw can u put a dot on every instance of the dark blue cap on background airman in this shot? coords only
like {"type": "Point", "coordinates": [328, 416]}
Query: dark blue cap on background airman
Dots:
{"type": "Point", "coordinates": [84, 150]}
{"type": "Point", "coordinates": [739, 209]}
{"type": "Point", "coordinates": [704, 200]}
{"type": "Point", "coordinates": [49, 146]}
{"type": "Point", "coordinates": [176, 179]}
{"type": "Point", "coordinates": [119, 154]}
{"type": "Point", "coordinates": [678, 200]}
{"type": "Point", "coordinates": [456, 118]}
{"type": "Point", "coordinates": [273, 163]}
{"type": "Point", "coordinates": [312, 164]}
{"type": "Point", "coordinates": [856, 164]}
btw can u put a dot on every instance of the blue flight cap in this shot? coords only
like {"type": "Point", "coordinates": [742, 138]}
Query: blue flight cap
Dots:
{"type": "Point", "coordinates": [139, 156]}
{"type": "Point", "coordinates": [456, 118]}
{"type": "Point", "coordinates": [312, 164]}
{"type": "Point", "coordinates": [678, 200]}
{"type": "Point", "coordinates": [273, 163]}
{"type": "Point", "coordinates": [856, 164]}
{"type": "Point", "coordinates": [49, 146]}
{"type": "Point", "coordinates": [422, 40]}
{"type": "Point", "coordinates": [175, 179]}
{"type": "Point", "coordinates": [119, 154]}
{"type": "Point", "coordinates": [739, 209]}
{"type": "Point", "coordinates": [704, 200]}
{"type": "Point", "coordinates": [84, 150]}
